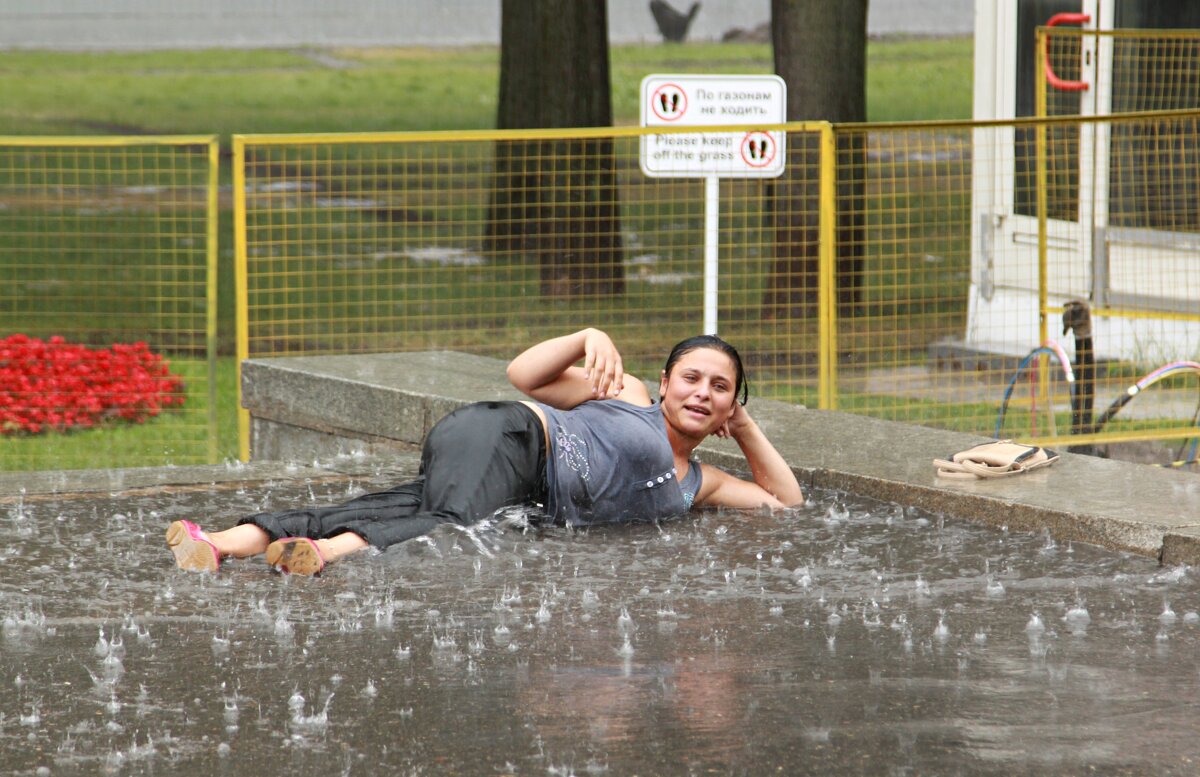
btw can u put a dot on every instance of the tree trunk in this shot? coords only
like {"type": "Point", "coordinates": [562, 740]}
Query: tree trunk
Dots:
{"type": "Point", "coordinates": [555, 201]}
{"type": "Point", "coordinates": [820, 52]}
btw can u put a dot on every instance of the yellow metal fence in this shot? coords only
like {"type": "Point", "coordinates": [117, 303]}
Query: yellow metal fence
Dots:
{"type": "Point", "coordinates": [916, 272]}
{"type": "Point", "coordinates": [489, 241]}
{"type": "Point", "coordinates": [107, 314]}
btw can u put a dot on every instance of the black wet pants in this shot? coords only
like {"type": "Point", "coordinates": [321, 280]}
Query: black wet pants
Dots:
{"type": "Point", "coordinates": [476, 460]}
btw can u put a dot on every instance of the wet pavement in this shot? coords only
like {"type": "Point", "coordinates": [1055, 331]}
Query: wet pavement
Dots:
{"type": "Point", "coordinates": [847, 637]}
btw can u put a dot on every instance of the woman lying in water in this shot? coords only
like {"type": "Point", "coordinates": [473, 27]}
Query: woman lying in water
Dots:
{"type": "Point", "coordinates": [592, 447]}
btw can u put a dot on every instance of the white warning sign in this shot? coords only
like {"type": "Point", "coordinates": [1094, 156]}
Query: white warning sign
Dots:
{"type": "Point", "coordinates": [697, 101]}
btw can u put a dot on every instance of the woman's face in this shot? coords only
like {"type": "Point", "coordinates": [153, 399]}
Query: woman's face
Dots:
{"type": "Point", "coordinates": [700, 393]}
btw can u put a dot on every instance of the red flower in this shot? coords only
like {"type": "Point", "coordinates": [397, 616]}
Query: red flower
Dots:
{"type": "Point", "coordinates": [58, 385]}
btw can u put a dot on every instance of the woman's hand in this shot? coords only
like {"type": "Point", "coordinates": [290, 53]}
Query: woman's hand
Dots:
{"type": "Point", "coordinates": [602, 366]}
{"type": "Point", "coordinates": [738, 424]}
{"type": "Point", "coordinates": [774, 483]}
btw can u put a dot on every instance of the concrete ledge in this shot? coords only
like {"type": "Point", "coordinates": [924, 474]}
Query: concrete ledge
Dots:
{"type": "Point", "coordinates": [389, 401]}
{"type": "Point", "coordinates": [310, 406]}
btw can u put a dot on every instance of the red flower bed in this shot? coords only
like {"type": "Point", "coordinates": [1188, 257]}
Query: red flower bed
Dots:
{"type": "Point", "coordinates": [53, 384]}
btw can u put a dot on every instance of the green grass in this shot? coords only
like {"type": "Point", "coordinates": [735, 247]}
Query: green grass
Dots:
{"type": "Point", "coordinates": [362, 90]}
{"type": "Point", "coordinates": [227, 92]}
{"type": "Point", "coordinates": [915, 79]}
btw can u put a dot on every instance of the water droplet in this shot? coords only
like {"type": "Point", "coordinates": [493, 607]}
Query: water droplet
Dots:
{"type": "Point", "coordinates": [837, 513]}
{"type": "Point", "coordinates": [803, 577]}
{"type": "Point", "coordinates": [1077, 619]}
{"type": "Point", "coordinates": [314, 722]}
{"type": "Point", "coordinates": [101, 647]}
{"type": "Point", "coordinates": [1049, 546]}
{"type": "Point", "coordinates": [941, 632]}
{"type": "Point", "coordinates": [33, 718]}
{"type": "Point", "coordinates": [624, 621]}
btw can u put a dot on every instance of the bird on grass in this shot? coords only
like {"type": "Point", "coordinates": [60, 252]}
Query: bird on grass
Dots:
{"type": "Point", "coordinates": [671, 23]}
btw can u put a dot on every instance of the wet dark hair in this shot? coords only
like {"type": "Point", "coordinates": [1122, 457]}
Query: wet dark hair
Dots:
{"type": "Point", "coordinates": [742, 387]}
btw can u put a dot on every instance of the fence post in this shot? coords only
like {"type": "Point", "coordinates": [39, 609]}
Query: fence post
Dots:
{"type": "Point", "coordinates": [212, 215]}
{"type": "Point", "coordinates": [1042, 180]}
{"type": "Point", "coordinates": [239, 259]}
{"type": "Point", "coordinates": [826, 274]}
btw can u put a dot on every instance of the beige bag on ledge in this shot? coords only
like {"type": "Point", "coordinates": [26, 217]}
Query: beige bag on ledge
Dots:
{"type": "Point", "coordinates": [999, 459]}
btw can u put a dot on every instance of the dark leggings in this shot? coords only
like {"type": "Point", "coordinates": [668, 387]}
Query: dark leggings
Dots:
{"type": "Point", "coordinates": [476, 460]}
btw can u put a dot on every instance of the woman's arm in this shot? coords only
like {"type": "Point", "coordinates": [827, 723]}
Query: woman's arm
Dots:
{"type": "Point", "coordinates": [774, 484]}
{"type": "Point", "coordinates": [548, 373]}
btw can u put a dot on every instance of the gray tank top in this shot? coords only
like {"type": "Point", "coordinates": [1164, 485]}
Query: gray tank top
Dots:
{"type": "Point", "coordinates": [611, 462]}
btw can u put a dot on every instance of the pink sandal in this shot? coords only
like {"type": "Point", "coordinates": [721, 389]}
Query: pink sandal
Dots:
{"type": "Point", "coordinates": [296, 556]}
{"type": "Point", "coordinates": [193, 550]}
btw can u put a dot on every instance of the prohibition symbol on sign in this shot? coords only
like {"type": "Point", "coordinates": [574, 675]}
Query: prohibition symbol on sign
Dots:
{"type": "Point", "coordinates": [758, 149]}
{"type": "Point", "coordinates": [669, 102]}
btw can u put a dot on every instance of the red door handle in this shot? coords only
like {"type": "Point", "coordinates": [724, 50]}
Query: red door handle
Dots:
{"type": "Point", "coordinates": [1051, 78]}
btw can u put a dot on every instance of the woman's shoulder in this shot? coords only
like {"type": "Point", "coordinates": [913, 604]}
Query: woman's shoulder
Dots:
{"type": "Point", "coordinates": [635, 392]}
